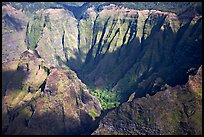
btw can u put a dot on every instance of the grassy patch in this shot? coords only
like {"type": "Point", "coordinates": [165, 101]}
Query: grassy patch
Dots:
{"type": "Point", "coordinates": [93, 113]}
{"type": "Point", "coordinates": [35, 31]}
{"type": "Point", "coordinates": [46, 99]}
{"type": "Point", "coordinates": [107, 99]}
{"type": "Point", "coordinates": [199, 92]}
{"type": "Point", "coordinates": [139, 119]}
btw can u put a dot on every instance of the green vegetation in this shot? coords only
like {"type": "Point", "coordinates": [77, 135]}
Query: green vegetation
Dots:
{"type": "Point", "coordinates": [34, 33]}
{"type": "Point", "coordinates": [139, 119]}
{"type": "Point", "coordinates": [34, 6]}
{"type": "Point", "coordinates": [198, 92]}
{"type": "Point", "coordinates": [107, 99]}
{"type": "Point", "coordinates": [175, 116]}
{"type": "Point", "coordinates": [46, 99]}
{"type": "Point", "coordinates": [93, 113]}
{"type": "Point", "coordinates": [177, 7]}
{"type": "Point", "coordinates": [132, 96]}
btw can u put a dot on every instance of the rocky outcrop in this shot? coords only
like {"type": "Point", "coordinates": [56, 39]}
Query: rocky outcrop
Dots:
{"type": "Point", "coordinates": [117, 46]}
{"type": "Point", "coordinates": [176, 110]}
{"type": "Point", "coordinates": [53, 33]}
{"type": "Point", "coordinates": [13, 33]}
{"type": "Point", "coordinates": [41, 100]}
{"type": "Point", "coordinates": [130, 52]}
{"type": "Point", "coordinates": [138, 45]}
{"type": "Point", "coordinates": [22, 80]}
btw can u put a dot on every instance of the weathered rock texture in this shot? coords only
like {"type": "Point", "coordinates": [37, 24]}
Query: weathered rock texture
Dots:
{"type": "Point", "coordinates": [176, 110]}
{"type": "Point", "coordinates": [117, 46]}
{"type": "Point", "coordinates": [13, 33]}
{"type": "Point", "coordinates": [40, 100]}
{"type": "Point", "coordinates": [125, 50]}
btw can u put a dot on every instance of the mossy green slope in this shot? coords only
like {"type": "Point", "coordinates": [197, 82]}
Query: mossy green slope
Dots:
{"type": "Point", "coordinates": [117, 46]}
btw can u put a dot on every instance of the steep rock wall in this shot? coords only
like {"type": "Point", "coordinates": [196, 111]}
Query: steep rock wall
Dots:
{"type": "Point", "coordinates": [173, 111]}
{"type": "Point", "coordinates": [117, 46]}
{"type": "Point", "coordinates": [38, 99]}
{"type": "Point", "coordinates": [13, 33]}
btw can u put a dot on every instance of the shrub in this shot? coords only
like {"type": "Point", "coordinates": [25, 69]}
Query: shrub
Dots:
{"type": "Point", "coordinates": [107, 99]}
{"type": "Point", "coordinates": [93, 113]}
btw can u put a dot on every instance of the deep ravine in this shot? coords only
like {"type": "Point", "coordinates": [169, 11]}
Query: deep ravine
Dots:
{"type": "Point", "coordinates": [70, 70]}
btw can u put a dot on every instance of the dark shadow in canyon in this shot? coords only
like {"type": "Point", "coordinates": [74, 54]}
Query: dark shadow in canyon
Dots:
{"type": "Point", "coordinates": [46, 123]}
{"type": "Point", "coordinates": [6, 76]}
{"type": "Point", "coordinates": [13, 80]}
{"type": "Point", "coordinates": [77, 11]}
{"type": "Point", "coordinates": [172, 67]}
{"type": "Point", "coordinates": [183, 57]}
{"type": "Point", "coordinates": [112, 67]}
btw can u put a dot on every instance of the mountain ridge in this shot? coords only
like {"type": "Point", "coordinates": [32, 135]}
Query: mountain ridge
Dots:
{"type": "Point", "coordinates": [114, 50]}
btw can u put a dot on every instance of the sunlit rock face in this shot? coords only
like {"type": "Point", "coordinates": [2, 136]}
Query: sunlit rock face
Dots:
{"type": "Point", "coordinates": [117, 46]}
{"type": "Point", "coordinates": [37, 99]}
{"type": "Point", "coordinates": [51, 55]}
{"type": "Point", "coordinates": [13, 33]}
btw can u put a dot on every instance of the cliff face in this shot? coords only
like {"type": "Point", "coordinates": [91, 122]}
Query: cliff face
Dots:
{"type": "Point", "coordinates": [117, 46]}
{"type": "Point", "coordinates": [13, 32]}
{"type": "Point", "coordinates": [172, 111]}
{"type": "Point", "coordinates": [125, 51]}
{"type": "Point", "coordinates": [41, 100]}
{"type": "Point", "coordinates": [128, 46]}
{"type": "Point", "coordinates": [56, 35]}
